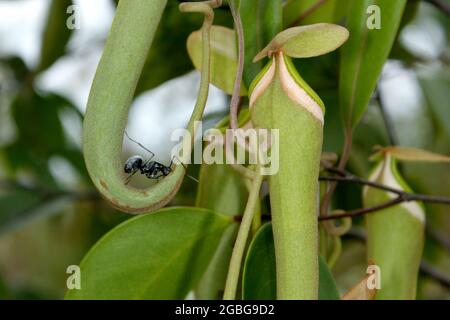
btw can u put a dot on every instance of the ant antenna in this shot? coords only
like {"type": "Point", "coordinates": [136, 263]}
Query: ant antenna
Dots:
{"type": "Point", "coordinates": [139, 144]}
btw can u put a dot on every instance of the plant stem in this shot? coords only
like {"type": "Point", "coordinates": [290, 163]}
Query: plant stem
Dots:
{"type": "Point", "coordinates": [241, 240]}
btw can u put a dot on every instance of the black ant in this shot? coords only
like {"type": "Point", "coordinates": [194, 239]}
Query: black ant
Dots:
{"type": "Point", "coordinates": [151, 169]}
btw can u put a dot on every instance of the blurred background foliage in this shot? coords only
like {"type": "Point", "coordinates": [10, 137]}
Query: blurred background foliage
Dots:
{"type": "Point", "coordinates": [50, 214]}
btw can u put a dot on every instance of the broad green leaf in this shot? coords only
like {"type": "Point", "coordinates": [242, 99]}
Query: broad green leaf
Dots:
{"type": "Point", "coordinates": [154, 256]}
{"type": "Point", "coordinates": [395, 236]}
{"type": "Point", "coordinates": [56, 34]}
{"type": "Point", "coordinates": [363, 56]}
{"type": "Point", "coordinates": [259, 275]}
{"type": "Point", "coordinates": [259, 278]}
{"type": "Point", "coordinates": [313, 11]}
{"type": "Point", "coordinates": [212, 285]}
{"type": "Point", "coordinates": [261, 21]}
{"type": "Point", "coordinates": [223, 56]}
{"type": "Point", "coordinates": [412, 154]}
{"type": "Point", "coordinates": [307, 41]}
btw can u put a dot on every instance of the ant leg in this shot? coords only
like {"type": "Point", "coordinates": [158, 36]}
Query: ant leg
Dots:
{"type": "Point", "coordinates": [185, 168]}
{"type": "Point", "coordinates": [128, 179]}
{"type": "Point", "coordinates": [175, 157]}
{"type": "Point", "coordinates": [139, 144]}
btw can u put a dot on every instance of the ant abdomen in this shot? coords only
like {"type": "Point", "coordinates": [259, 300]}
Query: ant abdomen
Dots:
{"type": "Point", "coordinates": [133, 164]}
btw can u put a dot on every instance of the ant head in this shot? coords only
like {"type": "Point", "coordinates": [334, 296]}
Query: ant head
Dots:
{"type": "Point", "coordinates": [132, 164]}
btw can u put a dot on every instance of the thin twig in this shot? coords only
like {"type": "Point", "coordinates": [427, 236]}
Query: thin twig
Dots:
{"type": "Point", "coordinates": [406, 196]}
{"type": "Point", "coordinates": [363, 211]}
{"type": "Point", "coordinates": [402, 196]}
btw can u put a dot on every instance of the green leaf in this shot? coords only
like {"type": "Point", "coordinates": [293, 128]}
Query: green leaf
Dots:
{"type": "Point", "coordinates": [223, 57]}
{"type": "Point", "coordinates": [261, 21]}
{"type": "Point", "coordinates": [259, 277]}
{"type": "Point", "coordinates": [154, 256]}
{"type": "Point", "coordinates": [56, 34]}
{"type": "Point", "coordinates": [307, 41]}
{"type": "Point", "coordinates": [363, 56]}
